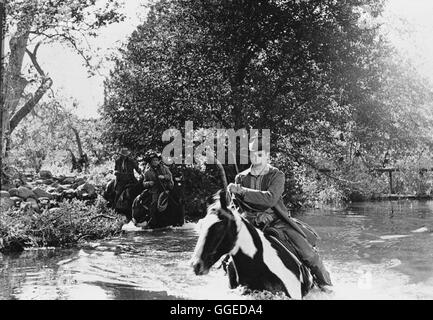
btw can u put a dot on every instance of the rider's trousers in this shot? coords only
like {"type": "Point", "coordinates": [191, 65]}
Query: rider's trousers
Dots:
{"type": "Point", "coordinates": [302, 248]}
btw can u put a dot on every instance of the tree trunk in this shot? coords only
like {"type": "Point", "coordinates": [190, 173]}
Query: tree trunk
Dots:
{"type": "Point", "coordinates": [77, 137]}
{"type": "Point", "coordinates": [30, 104]}
{"type": "Point", "coordinates": [3, 113]}
{"type": "Point", "coordinates": [14, 82]}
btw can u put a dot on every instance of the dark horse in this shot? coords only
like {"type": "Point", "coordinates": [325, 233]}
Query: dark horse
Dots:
{"type": "Point", "coordinates": [256, 262]}
{"type": "Point", "coordinates": [124, 203]}
{"type": "Point", "coordinates": [170, 213]}
{"type": "Point", "coordinates": [133, 204]}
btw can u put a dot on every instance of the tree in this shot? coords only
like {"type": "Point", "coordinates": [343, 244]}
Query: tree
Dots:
{"type": "Point", "coordinates": [49, 131]}
{"type": "Point", "coordinates": [30, 24]}
{"type": "Point", "coordinates": [306, 69]}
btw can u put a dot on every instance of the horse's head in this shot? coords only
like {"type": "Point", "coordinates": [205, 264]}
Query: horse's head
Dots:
{"type": "Point", "coordinates": [218, 234]}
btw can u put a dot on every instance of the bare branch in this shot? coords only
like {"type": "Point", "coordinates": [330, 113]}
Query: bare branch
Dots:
{"type": "Point", "coordinates": [31, 103]}
{"type": "Point", "coordinates": [34, 60]}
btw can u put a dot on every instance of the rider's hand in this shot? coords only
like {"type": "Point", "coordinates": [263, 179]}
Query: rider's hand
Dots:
{"type": "Point", "coordinates": [151, 183]}
{"type": "Point", "coordinates": [235, 188]}
{"type": "Point", "coordinates": [161, 177]}
{"type": "Point", "coordinates": [264, 218]}
{"type": "Point", "coordinates": [231, 188]}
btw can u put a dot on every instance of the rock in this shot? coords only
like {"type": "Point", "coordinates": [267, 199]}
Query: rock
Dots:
{"type": "Point", "coordinates": [44, 201]}
{"type": "Point", "coordinates": [41, 193]}
{"type": "Point", "coordinates": [6, 203]}
{"type": "Point", "coordinates": [39, 181]}
{"type": "Point", "coordinates": [13, 192]}
{"type": "Point", "coordinates": [51, 189]}
{"type": "Point", "coordinates": [69, 194]}
{"type": "Point", "coordinates": [30, 203]}
{"type": "Point", "coordinates": [87, 188]}
{"type": "Point", "coordinates": [45, 174]}
{"type": "Point", "coordinates": [6, 187]}
{"type": "Point", "coordinates": [57, 196]}
{"type": "Point", "coordinates": [17, 201]}
{"type": "Point", "coordinates": [48, 182]}
{"type": "Point", "coordinates": [25, 193]}
{"type": "Point", "coordinates": [68, 180]}
{"type": "Point", "coordinates": [78, 183]}
{"type": "Point", "coordinates": [4, 194]}
{"type": "Point", "coordinates": [60, 189]}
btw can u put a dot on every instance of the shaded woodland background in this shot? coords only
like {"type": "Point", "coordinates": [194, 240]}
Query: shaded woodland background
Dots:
{"type": "Point", "coordinates": [320, 74]}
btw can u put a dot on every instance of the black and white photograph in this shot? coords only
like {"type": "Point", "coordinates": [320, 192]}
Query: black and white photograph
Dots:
{"type": "Point", "coordinates": [230, 152]}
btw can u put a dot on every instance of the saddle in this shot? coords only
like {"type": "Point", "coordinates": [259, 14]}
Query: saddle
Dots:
{"type": "Point", "coordinates": [304, 229]}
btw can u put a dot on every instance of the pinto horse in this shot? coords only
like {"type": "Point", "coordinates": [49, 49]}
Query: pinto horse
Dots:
{"type": "Point", "coordinates": [256, 262]}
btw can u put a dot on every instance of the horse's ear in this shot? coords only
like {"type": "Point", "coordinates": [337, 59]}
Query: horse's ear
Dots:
{"type": "Point", "coordinates": [223, 198]}
{"type": "Point", "coordinates": [210, 200]}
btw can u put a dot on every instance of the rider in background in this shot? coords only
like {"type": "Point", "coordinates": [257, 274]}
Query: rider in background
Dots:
{"type": "Point", "coordinates": [260, 189]}
{"type": "Point", "coordinates": [124, 171]}
{"type": "Point", "coordinates": [157, 178]}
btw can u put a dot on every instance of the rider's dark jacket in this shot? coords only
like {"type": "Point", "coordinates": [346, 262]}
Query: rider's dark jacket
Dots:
{"type": "Point", "coordinates": [124, 167]}
{"type": "Point", "coordinates": [151, 174]}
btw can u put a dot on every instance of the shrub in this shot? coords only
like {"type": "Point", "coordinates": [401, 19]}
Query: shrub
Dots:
{"type": "Point", "coordinates": [65, 226]}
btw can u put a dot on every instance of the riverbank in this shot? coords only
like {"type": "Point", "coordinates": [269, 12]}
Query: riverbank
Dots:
{"type": "Point", "coordinates": [64, 226]}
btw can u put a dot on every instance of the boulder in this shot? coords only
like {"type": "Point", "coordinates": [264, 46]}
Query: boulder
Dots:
{"type": "Point", "coordinates": [4, 194]}
{"type": "Point", "coordinates": [13, 192]}
{"type": "Point", "coordinates": [69, 194]}
{"type": "Point", "coordinates": [16, 200]}
{"type": "Point", "coordinates": [48, 182]}
{"type": "Point", "coordinates": [61, 188]}
{"type": "Point", "coordinates": [57, 196]}
{"type": "Point", "coordinates": [41, 193]}
{"type": "Point", "coordinates": [68, 180]}
{"type": "Point", "coordinates": [39, 181]}
{"type": "Point", "coordinates": [6, 186]}
{"type": "Point", "coordinates": [51, 189]}
{"type": "Point", "coordinates": [25, 193]}
{"type": "Point", "coordinates": [86, 188]}
{"type": "Point", "coordinates": [78, 183]}
{"type": "Point", "coordinates": [6, 204]}
{"type": "Point", "coordinates": [30, 203]}
{"type": "Point", "coordinates": [45, 174]}
{"type": "Point", "coordinates": [43, 201]}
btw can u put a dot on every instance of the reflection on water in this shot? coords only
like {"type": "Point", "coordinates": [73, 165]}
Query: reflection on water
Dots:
{"type": "Point", "coordinates": [370, 250]}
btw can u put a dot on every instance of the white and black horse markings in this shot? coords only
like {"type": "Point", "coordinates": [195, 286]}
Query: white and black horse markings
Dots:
{"type": "Point", "coordinates": [255, 262]}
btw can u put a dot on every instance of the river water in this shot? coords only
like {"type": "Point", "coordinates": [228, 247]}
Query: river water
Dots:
{"type": "Point", "coordinates": [373, 250]}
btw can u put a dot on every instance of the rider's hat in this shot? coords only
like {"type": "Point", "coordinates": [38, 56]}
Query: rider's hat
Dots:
{"type": "Point", "coordinates": [152, 154]}
{"type": "Point", "coordinates": [125, 151]}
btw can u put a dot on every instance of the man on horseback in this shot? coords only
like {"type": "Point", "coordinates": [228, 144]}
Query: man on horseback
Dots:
{"type": "Point", "coordinates": [124, 171]}
{"type": "Point", "coordinates": [258, 191]}
{"type": "Point", "coordinates": [158, 181]}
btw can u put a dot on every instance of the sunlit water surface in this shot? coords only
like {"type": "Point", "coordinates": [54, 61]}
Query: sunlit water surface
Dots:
{"type": "Point", "coordinates": [381, 250]}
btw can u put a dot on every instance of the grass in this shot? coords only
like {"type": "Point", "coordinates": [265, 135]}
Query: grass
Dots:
{"type": "Point", "coordinates": [66, 226]}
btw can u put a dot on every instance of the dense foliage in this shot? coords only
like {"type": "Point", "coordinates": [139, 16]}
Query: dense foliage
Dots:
{"type": "Point", "coordinates": [61, 227]}
{"type": "Point", "coordinates": [331, 89]}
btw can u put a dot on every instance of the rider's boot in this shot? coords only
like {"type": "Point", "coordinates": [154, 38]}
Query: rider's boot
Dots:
{"type": "Point", "coordinates": [321, 274]}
